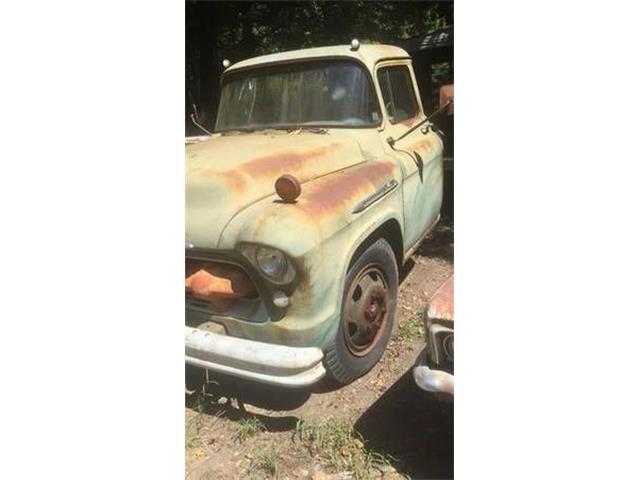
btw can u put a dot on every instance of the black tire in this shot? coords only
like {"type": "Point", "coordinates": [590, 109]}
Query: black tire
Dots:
{"type": "Point", "coordinates": [343, 360]}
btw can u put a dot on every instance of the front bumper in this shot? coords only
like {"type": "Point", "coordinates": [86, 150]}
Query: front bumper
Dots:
{"type": "Point", "coordinates": [263, 362]}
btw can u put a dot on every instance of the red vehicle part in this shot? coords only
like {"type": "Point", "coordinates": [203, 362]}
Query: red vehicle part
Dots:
{"type": "Point", "coordinates": [434, 372]}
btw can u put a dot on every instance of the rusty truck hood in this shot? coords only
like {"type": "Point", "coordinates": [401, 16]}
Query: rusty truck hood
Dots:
{"type": "Point", "coordinates": [228, 173]}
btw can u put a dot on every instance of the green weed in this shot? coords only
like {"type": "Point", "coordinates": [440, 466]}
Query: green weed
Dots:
{"type": "Point", "coordinates": [341, 448]}
{"type": "Point", "coordinates": [248, 427]}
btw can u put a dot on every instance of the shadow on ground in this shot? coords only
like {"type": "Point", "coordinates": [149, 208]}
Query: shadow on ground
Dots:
{"type": "Point", "coordinates": [226, 396]}
{"type": "Point", "coordinates": [414, 427]}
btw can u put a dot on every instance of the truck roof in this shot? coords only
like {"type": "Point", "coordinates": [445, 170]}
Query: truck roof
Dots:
{"type": "Point", "coordinates": [368, 54]}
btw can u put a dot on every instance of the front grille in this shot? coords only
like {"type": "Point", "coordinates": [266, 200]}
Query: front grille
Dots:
{"type": "Point", "coordinates": [219, 288]}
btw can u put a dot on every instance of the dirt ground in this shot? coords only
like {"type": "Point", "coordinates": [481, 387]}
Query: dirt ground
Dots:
{"type": "Point", "coordinates": [381, 426]}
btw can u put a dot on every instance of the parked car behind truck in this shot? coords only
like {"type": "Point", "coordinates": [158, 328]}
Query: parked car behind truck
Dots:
{"type": "Point", "coordinates": [321, 178]}
{"type": "Point", "coordinates": [434, 371]}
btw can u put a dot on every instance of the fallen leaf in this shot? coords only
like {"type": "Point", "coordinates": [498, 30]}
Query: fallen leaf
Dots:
{"type": "Point", "coordinates": [198, 452]}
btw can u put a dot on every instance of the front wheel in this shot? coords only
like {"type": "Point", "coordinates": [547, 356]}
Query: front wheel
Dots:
{"type": "Point", "coordinates": [368, 310]}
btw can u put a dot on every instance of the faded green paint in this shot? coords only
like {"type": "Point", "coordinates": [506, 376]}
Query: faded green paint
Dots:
{"type": "Point", "coordinates": [230, 199]}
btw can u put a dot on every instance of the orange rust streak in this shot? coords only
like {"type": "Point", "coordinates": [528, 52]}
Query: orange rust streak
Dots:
{"type": "Point", "coordinates": [333, 191]}
{"type": "Point", "coordinates": [425, 144]}
{"type": "Point", "coordinates": [272, 165]}
{"type": "Point", "coordinates": [233, 179]}
{"type": "Point", "coordinates": [278, 163]}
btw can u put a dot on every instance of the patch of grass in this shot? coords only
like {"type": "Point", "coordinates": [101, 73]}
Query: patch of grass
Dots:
{"type": "Point", "coordinates": [411, 328]}
{"type": "Point", "coordinates": [267, 461]}
{"type": "Point", "coordinates": [201, 402]}
{"type": "Point", "coordinates": [248, 427]}
{"type": "Point", "coordinates": [193, 426]}
{"type": "Point", "coordinates": [341, 448]}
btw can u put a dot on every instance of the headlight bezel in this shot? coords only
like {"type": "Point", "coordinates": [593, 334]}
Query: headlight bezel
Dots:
{"type": "Point", "coordinates": [272, 262]}
{"type": "Point", "coordinates": [282, 276]}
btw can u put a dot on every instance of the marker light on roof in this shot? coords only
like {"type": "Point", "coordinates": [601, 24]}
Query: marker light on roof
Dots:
{"type": "Point", "coordinates": [226, 63]}
{"type": "Point", "coordinates": [355, 44]}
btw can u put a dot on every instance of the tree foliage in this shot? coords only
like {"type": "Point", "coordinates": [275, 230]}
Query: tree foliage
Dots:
{"type": "Point", "coordinates": [239, 30]}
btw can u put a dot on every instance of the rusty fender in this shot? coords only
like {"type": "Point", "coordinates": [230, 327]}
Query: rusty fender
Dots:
{"type": "Point", "coordinates": [314, 233]}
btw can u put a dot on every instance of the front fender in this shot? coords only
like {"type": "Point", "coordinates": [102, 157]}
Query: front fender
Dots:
{"type": "Point", "coordinates": [320, 233]}
{"type": "Point", "coordinates": [343, 246]}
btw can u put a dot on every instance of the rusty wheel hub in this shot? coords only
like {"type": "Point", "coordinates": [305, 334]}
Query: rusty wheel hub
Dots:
{"type": "Point", "coordinates": [365, 312]}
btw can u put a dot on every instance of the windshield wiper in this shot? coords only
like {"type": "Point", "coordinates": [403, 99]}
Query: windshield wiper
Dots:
{"type": "Point", "coordinates": [241, 130]}
{"type": "Point", "coordinates": [283, 128]}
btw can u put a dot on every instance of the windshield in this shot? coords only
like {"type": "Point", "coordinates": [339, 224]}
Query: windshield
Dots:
{"type": "Point", "coordinates": [328, 94]}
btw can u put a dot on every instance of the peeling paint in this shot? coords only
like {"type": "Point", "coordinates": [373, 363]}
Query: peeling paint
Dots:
{"type": "Point", "coordinates": [343, 189]}
{"type": "Point", "coordinates": [276, 164]}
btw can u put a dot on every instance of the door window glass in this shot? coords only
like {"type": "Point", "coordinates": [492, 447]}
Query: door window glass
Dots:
{"type": "Point", "coordinates": [397, 93]}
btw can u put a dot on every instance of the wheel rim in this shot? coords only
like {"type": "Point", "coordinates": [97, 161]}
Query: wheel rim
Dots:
{"type": "Point", "coordinates": [366, 310]}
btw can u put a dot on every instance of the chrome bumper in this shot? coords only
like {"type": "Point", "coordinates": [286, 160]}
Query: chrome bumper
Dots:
{"type": "Point", "coordinates": [433, 380]}
{"type": "Point", "coordinates": [262, 362]}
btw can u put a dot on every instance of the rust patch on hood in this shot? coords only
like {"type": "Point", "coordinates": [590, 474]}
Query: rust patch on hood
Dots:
{"type": "Point", "coordinates": [276, 164]}
{"type": "Point", "coordinates": [233, 179]}
{"type": "Point", "coordinates": [342, 188]}
{"type": "Point", "coordinates": [273, 165]}
{"type": "Point", "coordinates": [225, 175]}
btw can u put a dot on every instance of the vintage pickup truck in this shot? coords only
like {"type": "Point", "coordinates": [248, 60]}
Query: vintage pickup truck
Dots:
{"type": "Point", "coordinates": [322, 176]}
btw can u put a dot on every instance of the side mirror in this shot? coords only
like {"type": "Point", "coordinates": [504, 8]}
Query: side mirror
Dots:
{"type": "Point", "coordinates": [196, 120]}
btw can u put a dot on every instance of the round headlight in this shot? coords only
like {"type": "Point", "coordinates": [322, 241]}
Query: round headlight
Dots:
{"type": "Point", "coordinates": [272, 262]}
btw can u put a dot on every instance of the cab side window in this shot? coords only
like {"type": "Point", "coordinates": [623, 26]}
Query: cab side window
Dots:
{"type": "Point", "coordinates": [397, 93]}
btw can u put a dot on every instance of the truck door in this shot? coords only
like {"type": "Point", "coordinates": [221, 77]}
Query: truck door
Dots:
{"type": "Point", "coordinates": [419, 153]}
